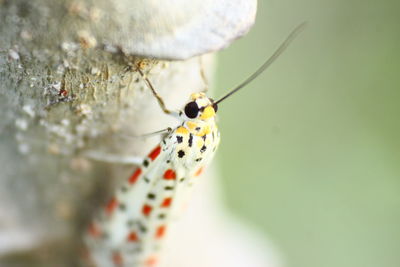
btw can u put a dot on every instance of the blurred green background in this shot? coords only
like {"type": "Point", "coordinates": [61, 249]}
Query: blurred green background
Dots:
{"type": "Point", "coordinates": [310, 151]}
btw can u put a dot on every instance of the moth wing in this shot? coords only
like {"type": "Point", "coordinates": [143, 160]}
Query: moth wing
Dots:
{"type": "Point", "coordinates": [133, 194]}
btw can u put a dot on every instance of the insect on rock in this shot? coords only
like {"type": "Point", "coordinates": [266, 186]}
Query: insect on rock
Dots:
{"type": "Point", "coordinates": [132, 225]}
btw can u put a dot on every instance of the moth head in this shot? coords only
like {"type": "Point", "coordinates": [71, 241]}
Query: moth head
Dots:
{"type": "Point", "coordinates": [200, 107]}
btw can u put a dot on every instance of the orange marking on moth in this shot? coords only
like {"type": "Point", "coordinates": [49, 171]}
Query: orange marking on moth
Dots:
{"type": "Point", "coordinates": [94, 230]}
{"type": "Point", "coordinates": [169, 174]}
{"type": "Point", "coordinates": [151, 261]}
{"type": "Point", "coordinates": [154, 154]}
{"type": "Point", "coordinates": [160, 231]}
{"type": "Point", "coordinates": [117, 258]}
{"type": "Point", "coordinates": [166, 202]}
{"type": "Point", "coordinates": [135, 176]}
{"type": "Point", "coordinates": [132, 237]}
{"type": "Point", "coordinates": [146, 209]}
{"type": "Point", "coordinates": [111, 206]}
{"type": "Point", "coordinates": [199, 171]}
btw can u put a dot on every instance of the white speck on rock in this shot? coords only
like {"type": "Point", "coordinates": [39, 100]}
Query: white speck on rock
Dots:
{"type": "Point", "coordinates": [60, 69]}
{"type": "Point", "coordinates": [56, 85]}
{"type": "Point", "coordinates": [86, 39]}
{"type": "Point", "coordinates": [21, 124]}
{"type": "Point", "coordinates": [26, 35]}
{"type": "Point", "coordinates": [13, 54]}
{"type": "Point", "coordinates": [65, 122]}
{"type": "Point", "coordinates": [95, 71]}
{"type": "Point", "coordinates": [84, 109]}
{"type": "Point", "coordinates": [69, 46]}
{"type": "Point", "coordinates": [28, 109]}
{"type": "Point", "coordinates": [110, 48]}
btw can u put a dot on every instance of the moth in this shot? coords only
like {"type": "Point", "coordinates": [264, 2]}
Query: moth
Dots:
{"type": "Point", "coordinates": [131, 227]}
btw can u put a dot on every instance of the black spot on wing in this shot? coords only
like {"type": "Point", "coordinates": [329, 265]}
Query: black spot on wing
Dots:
{"type": "Point", "coordinates": [181, 153]}
{"type": "Point", "coordinates": [142, 228]}
{"type": "Point", "coordinates": [145, 163]}
{"type": "Point", "coordinates": [203, 149]}
{"type": "Point", "coordinates": [179, 139]}
{"type": "Point", "coordinates": [190, 140]}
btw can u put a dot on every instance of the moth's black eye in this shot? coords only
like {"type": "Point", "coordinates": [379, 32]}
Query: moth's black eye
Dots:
{"type": "Point", "coordinates": [191, 110]}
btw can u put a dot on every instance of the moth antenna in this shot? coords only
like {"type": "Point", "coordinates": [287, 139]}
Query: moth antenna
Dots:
{"type": "Point", "coordinates": [268, 62]}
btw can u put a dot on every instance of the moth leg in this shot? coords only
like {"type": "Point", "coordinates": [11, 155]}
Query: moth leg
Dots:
{"type": "Point", "coordinates": [156, 133]}
{"type": "Point", "coordinates": [203, 75]}
{"type": "Point", "coordinates": [112, 158]}
{"type": "Point", "coordinates": [160, 132]}
{"type": "Point", "coordinates": [160, 101]}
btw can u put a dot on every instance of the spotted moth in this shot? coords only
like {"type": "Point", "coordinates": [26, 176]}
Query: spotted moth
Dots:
{"type": "Point", "coordinates": [131, 227]}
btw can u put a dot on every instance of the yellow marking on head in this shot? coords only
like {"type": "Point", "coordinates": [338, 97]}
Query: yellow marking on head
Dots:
{"type": "Point", "coordinates": [204, 130]}
{"type": "Point", "coordinates": [191, 125]}
{"type": "Point", "coordinates": [208, 112]}
{"type": "Point", "coordinates": [182, 130]}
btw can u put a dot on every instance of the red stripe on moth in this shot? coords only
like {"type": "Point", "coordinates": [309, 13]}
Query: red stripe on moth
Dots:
{"type": "Point", "coordinates": [166, 202]}
{"type": "Point", "coordinates": [154, 154]}
{"type": "Point", "coordinates": [94, 230]}
{"type": "Point", "coordinates": [169, 174]}
{"type": "Point", "coordinates": [160, 231]}
{"type": "Point", "coordinates": [146, 209]}
{"type": "Point", "coordinates": [132, 237]}
{"type": "Point", "coordinates": [135, 176]}
{"type": "Point", "coordinates": [151, 261]}
{"type": "Point", "coordinates": [111, 206]}
{"type": "Point", "coordinates": [199, 171]}
{"type": "Point", "coordinates": [117, 258]}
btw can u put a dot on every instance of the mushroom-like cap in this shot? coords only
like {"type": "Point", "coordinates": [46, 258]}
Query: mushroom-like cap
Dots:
{"type": "Point", "coordinates": [174, 29]}
{"type": "Point", "coordinates": [178, 29]}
